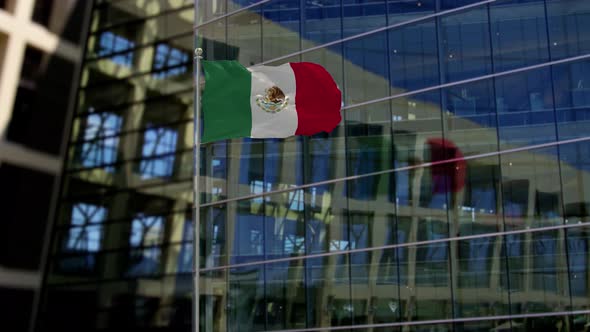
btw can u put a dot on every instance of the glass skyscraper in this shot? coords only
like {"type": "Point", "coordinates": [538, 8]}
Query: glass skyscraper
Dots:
{"type": "Point", "coordinates": [453, 196]}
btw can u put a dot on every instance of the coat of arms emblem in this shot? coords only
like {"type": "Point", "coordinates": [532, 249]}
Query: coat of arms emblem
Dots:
{"type": "Point", "coordinates": [274, 101]}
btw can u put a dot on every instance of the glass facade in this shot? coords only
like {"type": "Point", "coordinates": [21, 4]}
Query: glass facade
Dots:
{"type": "Point", "coordinates": [454, 195]}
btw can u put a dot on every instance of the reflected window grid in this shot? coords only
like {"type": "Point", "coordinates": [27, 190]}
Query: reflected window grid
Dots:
{"type": "Point", "coordinates": [169, 61]}
{"type": "Point", "coordinates": [110, 42]}
{"type": "Point", "coordinates": [101, 144]}
{"type": "Point", "coordinates": [158, 142]}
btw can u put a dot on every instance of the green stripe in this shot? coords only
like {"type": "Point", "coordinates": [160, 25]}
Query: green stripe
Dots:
{"type": "Point", "coordinates": [226, 101]}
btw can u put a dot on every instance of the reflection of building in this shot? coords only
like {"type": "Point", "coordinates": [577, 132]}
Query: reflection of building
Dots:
{"type": "Point", "coordinates": [496, 241]}
{"type": "Point", "coordinates": [40, 54]}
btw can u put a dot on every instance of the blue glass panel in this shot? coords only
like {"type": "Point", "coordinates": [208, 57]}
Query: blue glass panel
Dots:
{"type": "Point", "coordinates": [280, 28]}
{"type": "Point", "coordinates": [413, 57]}
{"type": "Point", "coordinates": [169, 61]}
{"type": "Point", "coordinates": [578, 254]}
{"type": "Point", "coordinates": [366, 69]}
{"type": "Point", "coordinates": [465, 45]}
{"type": "Point", "coordinates": [285, 300]}
{"type": "Point", "coordinates": [323, 21]}
{"type": "Point", "coordinates": [159, 145]}
{"type": "Point", "coordinates": [569, 22]}
{"type": "Point", "coordinates": [368, 148]}
{"type": "Point", "coordinates": [185, 256]}
{"type": "Point", "coordinates": [111, 43]}
{"type": "Point", "coordinates": [86, 231]}
{"type": "Point", "coordinates": [513, 249]}
{"type": "Point", "coordinates": [571, 83]}
{"type": "Point", "coordinates": [477, 271]}
{"type": "Point", "coordinates": [101, 144]}
{"type": "Point", "coordinates": [531, 189]}
{"type": "Point", "coordinates": [362, 15]}
{"type": "Point", "coordinates": [434, 253]}
{"type": "Point", "coordinates": [475, 262]}
{"type": "Point", "coordinates": [249, 237]}
{"type": "Point", "coordinates": [147, 233]}
{"type": "Point", "coordinates": [404, 10]}
{"type": "Point", "coordinates": [431, 276]}
{"type": "Point", "coordinates": [470, 117]}
{"type": "Point", "coordinates": [525, 108]}
{"type": "Point", "coordinates": [519, 34]}
{"type": "Point", "coordinates": [451, 4]}
{"type": "Point", "coordinates": [84, 237]}
{"type": "Point", "coordinates": [214, 244]}
{"type": "Point", "coordinates": [538, 275]}
{"type": "Point", "coordinates": [244, 33]}
{"type": "Point", "coordinates": [246, 308]}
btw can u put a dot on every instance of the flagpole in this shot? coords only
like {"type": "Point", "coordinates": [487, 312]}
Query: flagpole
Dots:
{"type": "Point", "coordinates": [196, 190]}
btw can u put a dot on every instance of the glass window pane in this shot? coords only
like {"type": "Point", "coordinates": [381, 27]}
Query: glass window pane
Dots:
{"type": "Point", "coordinates": [470, 117]}
{"type": "Point", "coordinates": [246, 306]}
{"type": "Point", "coordinates": [413, 57]}
{"type": "Point", "coordinates": [244, 34]}
{"type": "Point", "coordinates": [158, 147]}
{"type": "Point", "coordinates": [280, 28]}
{"type": "Point", "coordinates": [574, 166]}
{"type": "Point", "coordinates": [477, 272]}
{"type": "Point", "coordinates": [531, 189]}
{"type": "Point", "coordinates": [361, 16]}
{"type": "Point", "coordinates": [427, 295]}
{"type": "Point", "coordinates": [465, 49]}
{"type": "Point", "coordinates": [519, 34]}
{"type": "Point", "coordinates": [214, 305]}
{"type": "Point", "coordinates": [525, 109]}
{"type": "Point", "coordinates": [369, 150]}
{"type": "Point", "coordinates": [537, 270]}
{"type": "Point", "coordinates": [285, 294]}
{"type": "Point", "coordinates": [322, 23]}
{"type": "Point", "coordinates": [567, 20]}
{"type": "Point", "coordinates": [571, 88]}
{"type": "Point", "coordinates": [365, 68]}
{"type": "Point", "coordinates": [578, 254]}
{"type": "Point", "coordinates": [404, 10]}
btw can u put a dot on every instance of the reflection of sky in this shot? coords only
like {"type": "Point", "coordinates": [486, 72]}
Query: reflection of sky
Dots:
{"type": "Point", "coordinates": [167, 56]}
{"type": "Point", "coordinates": [99, 151]}
{"type": "Point", "coordinates": [146, 230]}
{"type": "Point", "coordinates": [112, 43]}
{"type": "Point", "coordinates": [158, 141]}
{"type": "Point", "coordinates": [522, 100]}
{"type": "Point", "coordinates": [577, 246]}
{"type": "Point", "coordinates": [147, 233]}
{"type": "Point", "coordinates": [86, 228]}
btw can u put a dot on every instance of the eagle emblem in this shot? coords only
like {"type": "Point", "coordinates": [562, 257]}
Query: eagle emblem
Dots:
{"type": "Point", "coordinates": [274, 101]}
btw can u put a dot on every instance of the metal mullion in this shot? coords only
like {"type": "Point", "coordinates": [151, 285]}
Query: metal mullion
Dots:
{"type": "Point", "coordinates": [399, 169]}
{"type": "Point", "coordinates": [138, 20]}
{"type": "Point", "coordinates": [123, 106]}
{"type": "Point", "coordinates": [397, 246]}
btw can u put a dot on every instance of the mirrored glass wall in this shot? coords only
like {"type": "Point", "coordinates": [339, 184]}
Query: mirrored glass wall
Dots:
{"type": "Point", "coordinates": [452, 197]}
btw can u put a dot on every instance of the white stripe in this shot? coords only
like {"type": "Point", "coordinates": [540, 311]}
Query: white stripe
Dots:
{"type": "Point", "coordinates": [284, 122]}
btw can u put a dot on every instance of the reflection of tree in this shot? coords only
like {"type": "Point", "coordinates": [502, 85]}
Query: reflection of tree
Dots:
{"type": "Point", "coordinates": [146, 236]}
{"type": "Point", "coordinates": [83, 239]}
{"type": "Point", "coordinates": [100, 142]}
{"type": "Point", "coordinates": [85, 233]}
{"type": "Point", "coordinates": [158, 152]}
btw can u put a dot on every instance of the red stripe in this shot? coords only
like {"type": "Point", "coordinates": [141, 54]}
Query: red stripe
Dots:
{"type": "Point", "coordinates": [317, 99]}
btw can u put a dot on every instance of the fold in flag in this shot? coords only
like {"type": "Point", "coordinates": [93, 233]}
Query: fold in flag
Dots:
{"type": "Point", "coordinates": [268, 102]}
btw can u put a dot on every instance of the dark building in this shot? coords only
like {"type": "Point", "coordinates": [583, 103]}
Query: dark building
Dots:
{"type": "Point", "coordinates": [452, 197]}
{"type": "Point", "coordinates": [40, 55]}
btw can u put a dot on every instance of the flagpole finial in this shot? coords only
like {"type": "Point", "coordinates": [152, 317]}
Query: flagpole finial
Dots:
{"type": "Point", "coordinates": [199, 53]}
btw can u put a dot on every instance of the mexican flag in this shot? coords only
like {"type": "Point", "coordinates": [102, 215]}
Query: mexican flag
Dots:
{"type": "Point", "coordinates": [268, 102]}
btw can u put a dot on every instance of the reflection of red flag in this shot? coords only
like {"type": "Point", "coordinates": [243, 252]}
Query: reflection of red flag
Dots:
{"type": "Point", "coordinates": [448, 176]}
